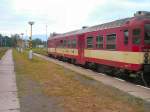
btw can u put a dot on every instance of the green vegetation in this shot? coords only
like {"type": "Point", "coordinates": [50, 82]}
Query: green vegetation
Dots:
{"type": "Point", "coordinates": [5, 41]}
{"type": "Point", "coordinates": [74, 92]}
{"type": "Point", "coordinates": [2, 52]}
{"type": "Point", "coordinates": [15, 40]}
{"type": "Point", "coordinates": [42, 51]}
{"type": "Point", "coordinates": [38, 41]}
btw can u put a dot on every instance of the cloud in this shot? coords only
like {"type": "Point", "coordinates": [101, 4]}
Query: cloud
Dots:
{"type": "Point", "coordinates": [116, 9]}
{"type": "Point", "coordinates": [61, 15]}
{"type": "Point", "coordinates": [64, 15]}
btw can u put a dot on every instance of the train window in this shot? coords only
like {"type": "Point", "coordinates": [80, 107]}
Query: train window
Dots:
{"type": "Point", "coordinates": [74, 44]}
{"type": "Point", "coordinates": [147, 34]}
{"type": "Point", "coordinates": [126, 36]}
{"type": "Point", "coordinates": [69, 43]}
{"type": "Point", "coordinates": [61, 43]}
{"type": "Point", "coordinates": [99, 41]}
{"type": "Point", "coordinates": [136, 36]}
{"type": "Point", "coordinates": [111, 41]}
{"type": "Point", "coordinates": [64, 43]}
{"type": "Point", "coordinates": [136, 31]}
{"type": "Point", "coordinates": [89, 42]}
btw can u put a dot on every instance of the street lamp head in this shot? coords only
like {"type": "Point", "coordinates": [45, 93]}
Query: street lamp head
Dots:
{"type": "Point", "coordinates": [31, 22]}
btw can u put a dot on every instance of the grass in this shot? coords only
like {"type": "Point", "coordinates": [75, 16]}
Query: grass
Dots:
{"type": "Point", "coordinates": [2, 52]}
{"type": "Point", "coordinates": [42, 51]}
{"type": "Point", "coordinates": [74, 94]}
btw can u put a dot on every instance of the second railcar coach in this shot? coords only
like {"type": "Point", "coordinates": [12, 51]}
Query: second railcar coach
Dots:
{"type": "Point", "coordinates": [122, 44]}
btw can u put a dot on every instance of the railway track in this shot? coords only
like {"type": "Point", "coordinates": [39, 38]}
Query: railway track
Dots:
{"type": "Point", "coordinates": [139, 80]}
{"type": "Point", "coordinates": [126, 85]}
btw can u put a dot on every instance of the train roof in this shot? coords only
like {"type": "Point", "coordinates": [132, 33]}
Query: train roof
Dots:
{"type": "Point", "coordinates": [113, 24]}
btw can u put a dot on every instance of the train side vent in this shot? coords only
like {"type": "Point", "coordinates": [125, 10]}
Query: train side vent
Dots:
{"type": "Point", "coordinates": [142, 13]}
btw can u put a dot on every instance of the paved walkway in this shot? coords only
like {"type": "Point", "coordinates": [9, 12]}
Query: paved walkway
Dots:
{"type": "Point", "coordinates": [9, 101]}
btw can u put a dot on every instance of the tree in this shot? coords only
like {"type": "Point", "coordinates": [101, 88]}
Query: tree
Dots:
{"type": "Point", "coordinates": [14, 39]}
{"type": "Point", "coordinates": [36, 42]}
{"type": "Point", "coordinates": [5, 41]}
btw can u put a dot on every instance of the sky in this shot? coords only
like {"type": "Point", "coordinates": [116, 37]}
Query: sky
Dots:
{"type": "Point", "coordinates": [63, 15]}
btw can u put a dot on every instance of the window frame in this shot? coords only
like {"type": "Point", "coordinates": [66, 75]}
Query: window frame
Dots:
{"type": "Point", "coordinates": [126, 37]}
{"type": "Point", "coordinates": [61, 43]}
{"type": "Point", "coordinates": [100, 43]}
{"type": "Point", "coordinates": [74, 45]}
{"type": "Point", "coordinates": [91, 43]}
{"type": "Point", "coordinates": [111, 43]}
{"type": "Point", "coordinates": [64, 43]}
{"type": "Point", "coordinates": [69, 43]}
{"type": "Point", "coordinates": [136, 36]}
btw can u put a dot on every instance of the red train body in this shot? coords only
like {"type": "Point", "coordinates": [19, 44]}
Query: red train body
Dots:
{"type": "Point", "coordinates": [122, 44]}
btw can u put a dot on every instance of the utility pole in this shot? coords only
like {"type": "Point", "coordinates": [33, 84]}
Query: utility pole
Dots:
{"type": "Point", "coordinates": [30, 39]}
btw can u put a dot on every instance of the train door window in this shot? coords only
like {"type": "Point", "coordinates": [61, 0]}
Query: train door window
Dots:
{"type": "Point", "coordinates": [89, 42]}
{"type": "Point", "coordinates": [136, 36]}
{"type": "Point", "coordinates": [111, 41]}
{"type": "Point", "coordinates": [126, 37]}
{"type": "Point", "coordinates": [74, 43]}
{"type": "Point", "coordinates": [99, 41]}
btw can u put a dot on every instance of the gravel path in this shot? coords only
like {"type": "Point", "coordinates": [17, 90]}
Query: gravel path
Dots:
{"type": "Point", "coordinates": [32, 98]}
{"type": "Point", "coordinates": [47, 87]}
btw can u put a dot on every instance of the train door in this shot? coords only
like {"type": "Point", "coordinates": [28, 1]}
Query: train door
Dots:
{"type": "Point", "coordinates": [81, 44]}
{"type": "Point", "coordinates": [137, 34]}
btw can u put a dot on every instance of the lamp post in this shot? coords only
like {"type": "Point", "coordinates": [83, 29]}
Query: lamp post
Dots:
{"type": "Point", "coordinates": [22, 42]}
{"type": "Point", "coordinates": [30, 39]}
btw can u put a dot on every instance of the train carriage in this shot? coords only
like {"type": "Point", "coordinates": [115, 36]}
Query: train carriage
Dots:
{"type": "Point", "coordinates": [122, 44]}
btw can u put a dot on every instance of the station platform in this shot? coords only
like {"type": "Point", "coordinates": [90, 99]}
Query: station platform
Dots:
{"type": "Point", "coordinates": [9, 101]}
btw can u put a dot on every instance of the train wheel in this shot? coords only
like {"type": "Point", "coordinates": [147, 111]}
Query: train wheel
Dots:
{"type": "Point", "coordinates": [101, 68]}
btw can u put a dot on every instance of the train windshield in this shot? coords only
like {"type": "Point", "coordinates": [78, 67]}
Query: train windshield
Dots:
{"type": "Point", "coordinates": [147, 34]}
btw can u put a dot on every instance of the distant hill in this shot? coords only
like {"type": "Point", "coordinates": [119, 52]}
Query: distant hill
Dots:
{"type": "Point", "coordinates": [40, 36]}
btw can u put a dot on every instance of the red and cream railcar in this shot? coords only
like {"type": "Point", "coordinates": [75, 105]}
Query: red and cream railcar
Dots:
{"type": "Point", "coordinates": [123, 44]}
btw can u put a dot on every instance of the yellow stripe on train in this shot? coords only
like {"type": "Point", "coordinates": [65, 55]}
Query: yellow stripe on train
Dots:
{"type": "Point", "coordinates": [51, 49]}
{"type": "Point", "coordinates": [64, 51]}
{"type": "Point", "coordinates": [119, 56]}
